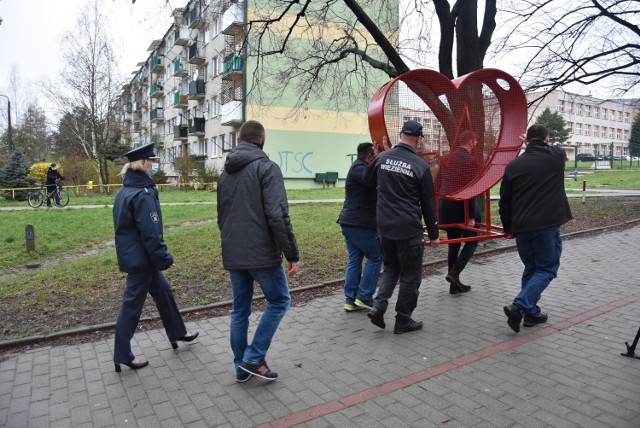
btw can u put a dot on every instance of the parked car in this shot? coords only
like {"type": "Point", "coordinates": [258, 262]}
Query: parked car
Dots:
{"type": "Point", "coordinates": [585, 157]}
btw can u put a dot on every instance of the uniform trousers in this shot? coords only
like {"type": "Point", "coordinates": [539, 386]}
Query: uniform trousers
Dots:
{"type": "Point", "coordinates": [135, 293]}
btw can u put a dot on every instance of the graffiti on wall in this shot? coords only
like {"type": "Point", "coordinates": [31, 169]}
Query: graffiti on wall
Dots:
{"type": "Point", "coordinates": [294, 162]}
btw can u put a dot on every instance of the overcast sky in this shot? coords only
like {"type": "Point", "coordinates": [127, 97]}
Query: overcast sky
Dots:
{"type": "Point", "coordinates": [31, 32]}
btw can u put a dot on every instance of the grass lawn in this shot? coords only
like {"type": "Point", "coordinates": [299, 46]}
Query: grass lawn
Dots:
{"type": "Point", "coordinates": [74, 280]}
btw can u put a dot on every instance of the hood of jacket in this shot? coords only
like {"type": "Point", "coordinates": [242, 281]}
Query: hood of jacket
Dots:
{"type": "Point", "coordinates": [133, 178]}
{"type": "Point", "coordinates": [242, 155]}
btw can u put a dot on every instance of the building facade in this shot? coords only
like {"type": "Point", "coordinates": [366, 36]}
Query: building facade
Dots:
{"type": "Point", "coordinates": [598, 127]}
{"type": "Point", "coordinates": [198, 85]}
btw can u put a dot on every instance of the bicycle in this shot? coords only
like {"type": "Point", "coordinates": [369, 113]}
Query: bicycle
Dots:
{"type": "Point", "coordinates": [39, 197]}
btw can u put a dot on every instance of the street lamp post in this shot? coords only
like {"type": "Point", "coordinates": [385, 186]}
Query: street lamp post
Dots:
{"type": "Point", "coordinates": [9, 122]}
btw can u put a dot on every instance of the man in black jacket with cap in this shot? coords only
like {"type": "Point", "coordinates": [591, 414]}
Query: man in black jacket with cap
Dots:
{"type": "Point", "coordinates": [405, 196]}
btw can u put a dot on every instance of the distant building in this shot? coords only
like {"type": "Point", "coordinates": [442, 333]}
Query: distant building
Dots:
{"type": "Point", "coordinates": [192, 93]}
{"type": "Point", "coordinates": [598, 127]}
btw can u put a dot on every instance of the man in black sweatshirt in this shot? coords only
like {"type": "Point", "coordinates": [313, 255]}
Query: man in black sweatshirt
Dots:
{"type": "Point", "coordinates": [533, 206]}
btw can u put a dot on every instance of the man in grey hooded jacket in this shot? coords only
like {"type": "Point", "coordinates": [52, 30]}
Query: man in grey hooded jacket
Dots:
{"type": "Point", "coordinates": [256, 231]}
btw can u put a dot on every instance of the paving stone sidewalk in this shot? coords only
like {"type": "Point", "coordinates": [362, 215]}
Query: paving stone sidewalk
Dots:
{"type": "Point", "coordinates": [465, 368]}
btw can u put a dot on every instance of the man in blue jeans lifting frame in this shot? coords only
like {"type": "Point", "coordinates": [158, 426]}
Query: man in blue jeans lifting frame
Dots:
{"type": "Point", "coordinates": [256, 231]}
{"type": "Point", "coordinates": [533, 205]}
{"type": "Point", "coordinates": [358, 222]}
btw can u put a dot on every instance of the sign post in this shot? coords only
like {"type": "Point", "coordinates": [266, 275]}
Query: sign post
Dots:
{"type": "Point", "coordinates": [30, 236]}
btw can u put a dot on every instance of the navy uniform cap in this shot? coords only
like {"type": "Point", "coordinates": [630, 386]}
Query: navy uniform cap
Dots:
{"type": "Point", "coordinates": [142, 152]}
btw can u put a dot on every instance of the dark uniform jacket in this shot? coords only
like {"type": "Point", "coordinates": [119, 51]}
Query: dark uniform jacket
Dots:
{"type": "Point", "coordinates": [137, 221]}
{"type": "Point", "coordinates": [405, 194]}
{"type": "Point", "coordinates": [253, 213]}
{"type": "Point", "coordinates": [359, 207]}
{"type": "Point", "coordinates": [532, 195]}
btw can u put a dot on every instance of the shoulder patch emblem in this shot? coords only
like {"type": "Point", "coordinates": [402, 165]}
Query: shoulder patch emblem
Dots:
{"type": "Point", "coordinates": [154, 217]}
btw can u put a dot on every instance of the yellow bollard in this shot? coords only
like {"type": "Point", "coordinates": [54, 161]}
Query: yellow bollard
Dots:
{"type": "Point", "coordinates": [90, 185]}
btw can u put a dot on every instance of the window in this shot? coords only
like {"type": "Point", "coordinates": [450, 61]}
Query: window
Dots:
{"type": "Point", "coordinates": [596, 112]}
{"type": "Point", "coordinates": [587, 129]}
{"type": "Point", "coordinates": [223, 143]}
{"type": "Point", "coordinates": [618, 134]}
{"type": "Point", "coordinates": [578, 128]}
{"type": "Point", "coordinates": [216, 150]}
{"type": "Point", "coordinates": [587, 110]}
{"type": "Point", "coordinates": [215, 106]}
{"type": "Point", "coordinates": [579, 109]}
{"type": "Point", "coordinates": [570, 127]}
{"type": "Point", "coordinates": [596, 130]}
{"type": "Point", "coordinates": [571, 107]}
{"type": "Point", "coordinates": [233, 136]}
{"type": "Point", "coordinates": [604, 113]}
{"type": "Point", "coordinates": [619, 116]}
{"type": "Point", "coordinates": [610, 132]}
{"type": "Point", "coordinates": [626, 117]}
{"type": "Point", "coordinates": [214, 66]}
{"type": "Point", "coordinates": [560, 106]}
{"type": "Point", "coordinates": [202, 147]}
{"type": "Point", "coordinates": [612, 114]}
{"type": "Point", "coordinates": [604, 132]}
{"type": "Point", "coordinates": [215, 26]}
{"type": "Point", "coordinates": [626, 135]}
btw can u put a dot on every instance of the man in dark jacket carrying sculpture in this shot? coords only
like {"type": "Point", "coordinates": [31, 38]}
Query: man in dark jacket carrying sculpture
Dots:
{"type": "Point", "coordinates": [256, 231]}
{"type": "Point", "coordinates": [405, 197]}
{"type": "Point", "coordinates": [533, 206]}
{"type": "Point", "coordinates": [358, 222]}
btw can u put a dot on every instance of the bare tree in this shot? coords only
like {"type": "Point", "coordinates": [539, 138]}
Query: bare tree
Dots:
{"type": "Point", "coordinates": [575, 41]}
{"type": "Point", "coordinates": [89, 86]}
{"type": "Point", "coordinates": [341, 43]}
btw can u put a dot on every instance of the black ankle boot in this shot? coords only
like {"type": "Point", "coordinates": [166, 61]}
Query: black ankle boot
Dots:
{"type": "Point", "coordinates": [453, 277]}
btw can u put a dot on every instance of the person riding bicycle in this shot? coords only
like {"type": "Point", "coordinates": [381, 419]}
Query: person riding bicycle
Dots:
{"type": "Point", "coordinates": [53, 180]}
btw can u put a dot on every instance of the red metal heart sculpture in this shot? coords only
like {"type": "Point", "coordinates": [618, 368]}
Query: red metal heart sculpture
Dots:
{"type": "Point", "coordinates": [486, 111]}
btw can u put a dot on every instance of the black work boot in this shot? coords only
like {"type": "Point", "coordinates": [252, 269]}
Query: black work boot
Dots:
{"type": "Point", "coordinates": [453, 277]}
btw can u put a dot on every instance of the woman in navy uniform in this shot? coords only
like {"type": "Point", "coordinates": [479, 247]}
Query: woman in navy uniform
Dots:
{"type": "Point", "coordinates": [142, 254]}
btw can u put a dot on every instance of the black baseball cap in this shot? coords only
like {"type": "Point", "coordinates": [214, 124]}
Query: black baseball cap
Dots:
{"type": "Point", "coordinates": [413, 128]}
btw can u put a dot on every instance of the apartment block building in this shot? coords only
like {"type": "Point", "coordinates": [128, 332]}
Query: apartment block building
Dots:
{"type": "Point", "coordinates": [598, 127]}
{"type": "Point", "coordinates": [198, 85]}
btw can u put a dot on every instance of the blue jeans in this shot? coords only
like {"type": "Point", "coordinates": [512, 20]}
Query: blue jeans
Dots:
{"type": "Point", "coordinates": [358, 283]}
{"type": "Point", "coordinates": [276, 290]}
{"type": "Point", "coordinates": [540, 253]}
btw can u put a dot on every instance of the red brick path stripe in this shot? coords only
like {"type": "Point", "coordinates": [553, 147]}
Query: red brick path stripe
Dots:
{"type": "Point", "coordinates": [412, 379]}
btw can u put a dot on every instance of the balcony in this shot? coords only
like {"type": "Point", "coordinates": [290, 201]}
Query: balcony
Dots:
{"type": "Point", "coordinates": [127, 116]}
{"type": "Point", "coordinates": [196, 126]}
{"type": "Point", "coordinates": [180, 133]}
{"type": "Point", "coordinates": [195, 54]}
{"type": "Point", "coordinates": [180, 67]}
{"type": "Point", "coordinates": [181, 37]}
{"type": "Point", "coordinates": [156, 63]}
{"type": "Point", "coordinates": [232, 19]}
{"type": "Point", "coordinates": [231, 113]}
{"type": "Point", "coordinates": [156, 115]}
{"type": "Point", "coordinates": [196, 90]}
{"type": "Point", "coordinates": [156, 90]}
{"type": "Point", "coordinates": [158, 140]}
{"type": "Point", "coordinates": [195, 18]}
{"type": "Point", "coordinates": [180, 101]}
{"type": "Point", "coordinates": [233, 64]}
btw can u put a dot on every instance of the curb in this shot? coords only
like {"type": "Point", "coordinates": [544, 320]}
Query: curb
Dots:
{"type": "Point", "coordinates": [30, 340]}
